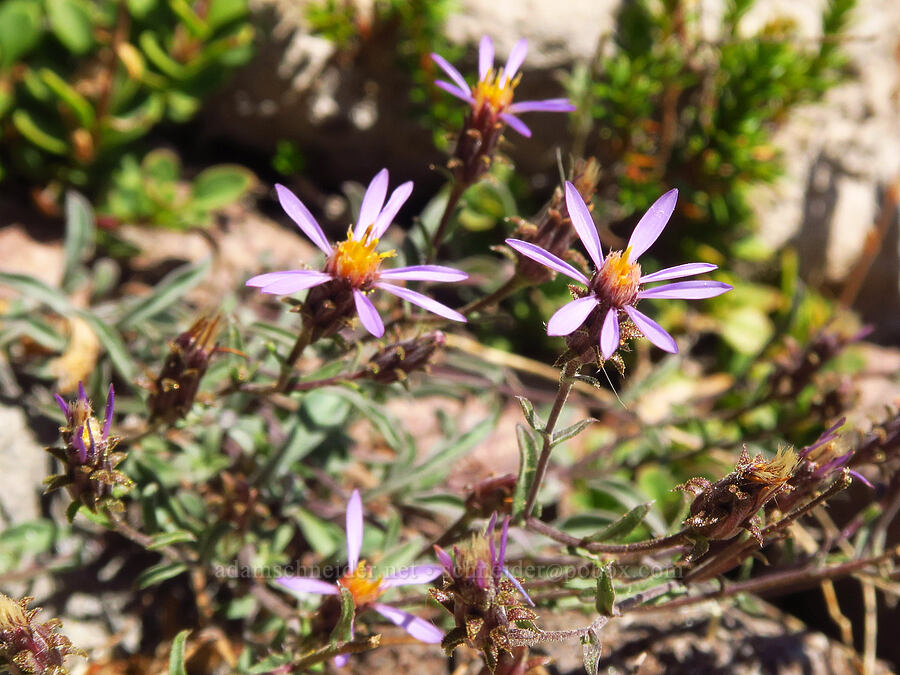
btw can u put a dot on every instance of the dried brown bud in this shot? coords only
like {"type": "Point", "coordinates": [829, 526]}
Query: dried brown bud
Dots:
{"type": "Point", "coordinates": [328, 308]}
{"type": "Point", "coordinates": [28, 646]}
{"type": "Point", "coordinates": [395, 362]}
{"type": "Point", "coordinates": [176, 386]}
{"type": "Point", "coordinates": [721, 509]}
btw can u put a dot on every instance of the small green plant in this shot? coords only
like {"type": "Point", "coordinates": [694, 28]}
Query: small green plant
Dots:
{"type": "Point", "coordinates": [81, 81]}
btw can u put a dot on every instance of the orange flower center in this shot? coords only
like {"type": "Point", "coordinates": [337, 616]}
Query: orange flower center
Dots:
{"type": "Point", "coordinates": [356, 260]}
{"type": "Point", "coordinates": [617, 281]}
{"type": "Point", "coordinates": [495, 91]}
{"type": "Point", "coordinates": [364, 588]}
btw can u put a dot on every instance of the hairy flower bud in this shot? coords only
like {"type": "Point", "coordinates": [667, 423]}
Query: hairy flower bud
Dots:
{"type": "Point", "coordinates": [29, 646]}
{"type": "Point", "coordinates": [396, 361]}
{"type": "Point", "coordinates": [87, 456]}
{"type": "Point", "coordinates": [176, 386]}
{"type": "Point", "coordinates": [721, 509]}
{"type": "Point", "coordinates": [483, 596]}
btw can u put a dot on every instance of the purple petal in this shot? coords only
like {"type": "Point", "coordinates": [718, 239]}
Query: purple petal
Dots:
{"type": "Point", "coordinates": [570, 316]}
{"type": "Point", "coordinates": [687, 290]}
{"type": "Point", "coordinates": [861, 478]}
{"type": "Point", "coordinates": [686, 270]}
{"type": "Point", "coordinates": [300, 214]}
{"type": "Point", "coordinates": [78, 442]}
{"type": "Point", "coordinates": [481, 574]}
{"type": "Point", "coordinates": [261, 280]}
{"type": "Point", "coordinates": [368, 315]}
{"type": "Point", "coordinates": [91, 437]}
{"type": "Point", "coordinates": [516, 124]}
{"type": "Point", "coordinates": [516, 57]}
{"type": "Point", "coordinates": [298, 281]}
{"type": "Point", "coordinates": [424, 273]}
{"type": "Point", "coordinates": [386, 217]}
{"type": "Point", "coordinates": [419, 628]}
{"type": "Point", "coordinates": [503, 535]}
{"type": "Point", "coordinates": [306, 585]}
{"type": "Point", "coordinates": [485, 57]}
{"type": "Point", "coordinates": [444, 558]}
{"type": "Point", "coordinates": [110, 404]}
{"type": "Point", "coordinates": [418, 574]}
{"type": "Point", "coordinates": [609, 334]}
{"type": "Point", "coordinates": [519, 587]}
{"type": "Point", "coordinates": [652, 331]}
{"type": "Point", "coordinates": [372, 203]}
{"type": "Point", "coordinates": [61, 402]}
{"type": "Point", "coordinates": [82, 395]}
{"type": "Point", "coordinates": [651, 225]}
{"type": "Point", "coordinates": [354, 529]}
{"type": "Point", "coordinates": [548, 105]}
{"type": "Point", "coordinates": [583, 223]}
{"type": "Point", "coordinates": [422, 301]}
{"type": "Point", "coordinates": [455, 91]}
{"type": "Point", "coordinates": [546, 259]}
{"type": "Point", "coordinates": [340, 660]}
{"type": "Point", "coordinates": [451, 71]}
{"type": "Point", "coordinates": [492, 523]}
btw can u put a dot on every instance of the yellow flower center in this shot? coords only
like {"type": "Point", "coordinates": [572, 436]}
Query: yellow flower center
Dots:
{"type": "Point", "coordinates": [356, 260]}
{"type": "Point", "coordinates": [495, 91]}
{"type": "Point", "coordinates": [364, 588]}
{"type": "Point", "coordinates": [91, 430]}
{"type": "Point", "coordinates": [617, 281]}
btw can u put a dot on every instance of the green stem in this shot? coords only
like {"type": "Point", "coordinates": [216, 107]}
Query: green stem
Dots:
{"type": "Point", "coordinates": [455, 194]}
{"type": "Point", "coordinates": [287, 367]}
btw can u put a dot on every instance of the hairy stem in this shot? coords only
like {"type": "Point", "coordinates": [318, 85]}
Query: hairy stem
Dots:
{"type": "Point", "coordinates": [456, 193]}
{"type": "Point", "coordinates": [287, 367]}
{"type": "Point", "coordinates": [659, 544]}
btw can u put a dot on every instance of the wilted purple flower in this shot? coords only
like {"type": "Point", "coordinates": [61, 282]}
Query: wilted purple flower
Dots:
{"type": "Point", "coordinates": [353, 266]}
{"type": "Point", "coordinates": [616, 283]}
{"type": "Point", "coordinates": [493, 93]}
{"type": "Point", "coordinates": [366, 588]}
{"type": "Point", "coordinates": [87, 456]}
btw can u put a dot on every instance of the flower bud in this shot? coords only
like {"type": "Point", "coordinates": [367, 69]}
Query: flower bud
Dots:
{"type": "Point", "coordinates": [176, 386]}
{"type": "Point", "coordinates": [87, 456]}
{"type": "Point", "coordinates": [28, 646]}
{"type": "Point", "coordinates": [721, 509]}
{"type": "Point", "coordinates": [395, 362]}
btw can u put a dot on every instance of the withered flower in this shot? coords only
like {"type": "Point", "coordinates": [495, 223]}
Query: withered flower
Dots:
{"type": "Point", "coordinates": [87, 456]}
{"type": "Point", "coordinates": [29, 646]}
{"type": "Point", "coordinates": [483, 596]}
{"type": "Point", "coordinates": [176, 386]}
{"type": "Point", "coordinates": [721, 509]}
{"type": "Point", "coordinates": [395, 362]}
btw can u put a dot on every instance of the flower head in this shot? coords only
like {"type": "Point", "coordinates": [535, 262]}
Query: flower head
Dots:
{"type": "Point", "coordinates": [352, 268]}
{"type": "Point", "coordinates": [31, 646]}
{"type": "Point", "coordinates": [616, 284]}
{"type": "Point", "coordinates": [482, 594]}
{"type": "Point", "coordinates": [88, 457]}
{"type": "Point", "coordinates": [366, 588]}
{"type": "Point", "coordinates": [492, 96]}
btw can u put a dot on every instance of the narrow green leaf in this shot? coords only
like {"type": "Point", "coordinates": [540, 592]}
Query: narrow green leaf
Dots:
{"type": "Point", "coordinates": [19, 29]}
{"type": "Point", "coordinates": [322, 536]}
{"type": "Point", "coordinates": [531, 417]}
{"type": "Point", "coordinates": [79, 243]}
{"type": "Point", "coordinates": [34, 133]}
{"type": "Point", "coordinates": [77, 103]}
{"type": "Point", "coordinates": [605, 598]}
{"type": "Point", "coordinates": [159, 573]}
{"type": "Point", "coordinates": [343, 630]}
{"type": "Point", "coordinates": [222, 12]}
{"type": "Point", "coordinates": [164, 539]}
{"type": "Point", "coordinates": [140, 8]}
{"type": "Point", "coordinates": [591, 651]}
{"type": "Point", "coordinates": [220, 186]}
{"type": "Point", "coordinates": [571, 431]}
{"type": "Point", "coordinates": [166, 293]}
{"type": "Point", "coordinates": [623, 526]}
{"type": "Point", "coordinates": [195, 25]}
{"type": "Point", "coordinates": [528, 458]}
{"type": "Point", "coordinates": [176, 657]}
{"type": "Point", "coordinates": [118, 353]}
{"type": "Point", "coordinates": [159, 57]}
{"type": "Point", "coordinates": [36, 289]}
{"type": "Point", "coordinates": [71, 24]}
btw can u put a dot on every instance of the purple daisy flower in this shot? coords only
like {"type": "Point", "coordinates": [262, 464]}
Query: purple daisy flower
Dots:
{"type": "Point", "coordinates": [616, 283]}
{"type": "Point", "coordinates": [495, 88]}
{"type": "Point", "coordinates": [82, 432]}
{"type": "Point", "coordinates": [366, 588]}
{"type": "Point", "coordinates": [354, 265]}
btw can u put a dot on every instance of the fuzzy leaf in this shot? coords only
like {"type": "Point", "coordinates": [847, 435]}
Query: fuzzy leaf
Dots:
{"type": "Point", "coordinates": [220, 186]}
{"type": "Point", "coordinates": [159, 573]}
{"type": "Point", "coordinates": [343, 630]}
{"type": "Point", "coordinates": [36, 289]}
{"type": "Point", "coordinates": [166, 293]}
{"type": "Point", "coordinates": [605, 598]}
{"type": "Point", "coordinates": [531, 417]}
{"type": "Point", "coordinates": [114, 346]}
{"type": "Point", "coordinates": [79, 243]}
{"type": "Point", "coordinates": [571, 431]}
{"type": "Point", "coordinates": [528, 456]}
{"type": "Point", "coordinates": [163, 539]}
{"type": "Point", "coordinates": [623, 526]}
{"type": "Point", "coordinates": [176, 656]}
